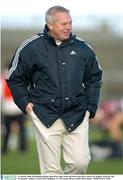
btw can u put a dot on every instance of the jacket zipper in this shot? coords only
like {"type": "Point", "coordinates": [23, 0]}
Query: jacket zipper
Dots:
{"type": "Point", "coordinates": [59, 77]}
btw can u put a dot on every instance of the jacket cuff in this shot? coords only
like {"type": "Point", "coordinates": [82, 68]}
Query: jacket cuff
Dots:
{"type": "Point", "coordinates": [22, 103]}
{"type": "Point", "coordinates": [92, 109]}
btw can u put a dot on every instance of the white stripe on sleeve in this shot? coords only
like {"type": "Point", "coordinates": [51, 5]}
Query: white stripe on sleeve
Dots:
{"type": "Point", "coordinates": [16, 58]}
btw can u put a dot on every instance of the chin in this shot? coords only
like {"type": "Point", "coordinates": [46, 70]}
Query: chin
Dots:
{"type": "Point", "coordinates": [65, 38]}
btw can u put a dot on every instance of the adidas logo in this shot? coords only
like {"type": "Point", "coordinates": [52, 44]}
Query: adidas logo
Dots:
{"type": "Point", "coordinates": [72, 52]}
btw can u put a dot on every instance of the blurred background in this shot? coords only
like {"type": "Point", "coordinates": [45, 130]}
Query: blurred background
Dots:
{"type": "Point", "coordinates": [100, 23]}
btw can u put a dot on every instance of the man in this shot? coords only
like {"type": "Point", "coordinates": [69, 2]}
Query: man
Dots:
{"type": "Point", "coordinates": [55, 78]}
{"type": "Point", "coordinates": [109, 118]}
{"type": "Point", "coordinates": [12, 118]}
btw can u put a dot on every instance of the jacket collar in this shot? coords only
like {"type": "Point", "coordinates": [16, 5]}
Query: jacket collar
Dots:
{"type": "Point", "coordinates": [52, 40]}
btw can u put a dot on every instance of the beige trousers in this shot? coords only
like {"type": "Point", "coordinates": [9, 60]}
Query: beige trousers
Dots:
{"type": "Point", "coordinates": [75, 147]}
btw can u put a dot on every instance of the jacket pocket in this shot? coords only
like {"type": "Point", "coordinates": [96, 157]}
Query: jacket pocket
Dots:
{"type": "Point", "coordinates": [51, 103]}
{"type": "Point", "coordinates": [79, 102]}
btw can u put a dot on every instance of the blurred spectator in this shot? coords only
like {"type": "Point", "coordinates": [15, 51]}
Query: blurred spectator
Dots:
{"type": "Point", "coordinates": [13, 120]}
{"type": "Point", "coordinates": [109, 118]}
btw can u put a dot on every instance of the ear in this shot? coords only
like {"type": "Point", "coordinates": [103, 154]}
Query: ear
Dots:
{"type": "Point", "coordinates": [50, 26]}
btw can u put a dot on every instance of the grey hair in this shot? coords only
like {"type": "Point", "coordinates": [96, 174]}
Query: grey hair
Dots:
{"type": "Point", "coordinates": [49, 15]}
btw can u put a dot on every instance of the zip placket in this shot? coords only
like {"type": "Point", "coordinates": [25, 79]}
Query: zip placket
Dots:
{"type": "Point", "coordinates": [59, 77]}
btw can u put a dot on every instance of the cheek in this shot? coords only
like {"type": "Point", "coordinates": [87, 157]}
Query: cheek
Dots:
{"type": "Point", "coordinates": [60, 32]}
{"type": "Point", "coordinates": [57, 30]}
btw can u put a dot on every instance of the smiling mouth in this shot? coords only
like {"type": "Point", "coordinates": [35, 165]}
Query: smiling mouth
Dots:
{"type": "Point", "coordinates": [66, 33]}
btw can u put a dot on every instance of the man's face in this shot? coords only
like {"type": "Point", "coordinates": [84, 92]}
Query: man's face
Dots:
{"type": "Point", "coordinates": [61, 27]}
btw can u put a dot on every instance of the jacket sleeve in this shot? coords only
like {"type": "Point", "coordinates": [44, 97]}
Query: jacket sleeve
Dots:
{"type": "Point", "coordinates": [92, 82]}
{"type": "Point", "coordinates": [18, 80]}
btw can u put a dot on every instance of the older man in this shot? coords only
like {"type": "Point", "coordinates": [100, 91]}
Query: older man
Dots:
{"type": "Point", "coordinates": [55, 77]}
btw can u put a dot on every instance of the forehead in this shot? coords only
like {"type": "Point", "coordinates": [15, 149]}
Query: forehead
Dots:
{"type": "Point", "coordinates": [62, 17]}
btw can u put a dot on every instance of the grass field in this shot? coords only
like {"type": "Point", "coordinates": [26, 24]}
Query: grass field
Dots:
{"type": "Point", "coordinates": [15, 162]}
{"type": "Point", "coordinates": [27, 163]}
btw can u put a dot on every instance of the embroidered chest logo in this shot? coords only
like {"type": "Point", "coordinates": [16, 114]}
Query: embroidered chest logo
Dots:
{"type": "Point", "coordinates": [72, 52]}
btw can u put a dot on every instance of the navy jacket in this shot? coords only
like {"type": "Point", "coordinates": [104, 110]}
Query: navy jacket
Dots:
{"type": "Point", "coordinates": [61, 81]}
